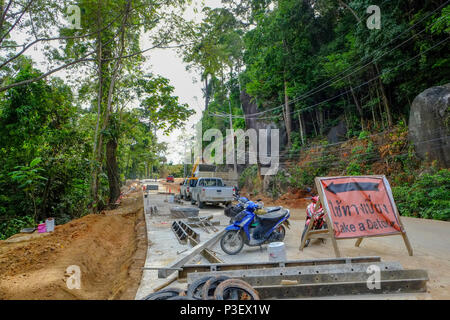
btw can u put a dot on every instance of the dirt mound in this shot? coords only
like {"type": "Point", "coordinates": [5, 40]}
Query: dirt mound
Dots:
{"type": "Point", "coordinates": [293, 199]}
{"type": "Point", "coordinates": [109, 248]}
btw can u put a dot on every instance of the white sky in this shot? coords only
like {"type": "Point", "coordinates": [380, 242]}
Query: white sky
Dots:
{"type": "Point", "coordinates": [166, 63]}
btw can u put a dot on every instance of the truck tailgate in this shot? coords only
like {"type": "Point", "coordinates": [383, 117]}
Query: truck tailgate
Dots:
{"type": "Point", "coordinates": [217, 193]}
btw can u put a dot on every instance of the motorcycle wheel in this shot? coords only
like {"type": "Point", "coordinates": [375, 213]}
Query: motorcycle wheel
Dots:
{"type": "Point", "coordinates": [282, 231]}
{"type": "Point", "coordinates": [232, 242]}
{"type": "Point", "coordinates": [303, 235]}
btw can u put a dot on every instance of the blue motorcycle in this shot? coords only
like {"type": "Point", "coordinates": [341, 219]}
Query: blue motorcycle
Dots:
{"type": "Point", "coordinates": [255, 230]}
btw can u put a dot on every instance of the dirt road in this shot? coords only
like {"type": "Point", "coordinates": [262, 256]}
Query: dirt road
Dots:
{"type": "Point", "coordinates": [109, 248]}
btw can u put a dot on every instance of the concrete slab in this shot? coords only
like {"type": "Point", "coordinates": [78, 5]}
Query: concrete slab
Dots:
{"type": "Point", "coordinates": [164, 248]}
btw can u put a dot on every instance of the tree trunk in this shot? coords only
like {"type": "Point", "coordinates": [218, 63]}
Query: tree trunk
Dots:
{"type": "Point", "coordinates": [287, 116]}
{"type": "Point", "coordinates": [358, 107]}
{"type": "Point", "coordinates": [314, 124]}
{"type": "Point", "coordinates": [385, 99]}
{"type": "Point", "coordinates": [112, 170]}
{"type": "Point", "coordinates": [206, 93]}
{"type": "Point", "coordinates": [302, 132]}
{"type": "Point", "coordinates": [319, 116]}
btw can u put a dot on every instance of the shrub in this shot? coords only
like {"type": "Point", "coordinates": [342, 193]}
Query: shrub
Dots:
{"type": "Point", "coordinates": [427, 197]}
{"type": "Point", "coordinates": [12, 226]}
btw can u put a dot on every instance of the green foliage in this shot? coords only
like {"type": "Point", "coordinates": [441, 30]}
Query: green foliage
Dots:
{"type": "Point", "coordinates": [13, 226]}
{"type": "Point", "coordinates": [353, 169]}
{"type": "Point", "coordinates": [427, 197]}
{"type": "Point", "coordinates": [248, 177]}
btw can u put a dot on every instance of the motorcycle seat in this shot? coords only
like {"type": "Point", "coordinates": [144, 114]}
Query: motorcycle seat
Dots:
{"type": "Point", "coordinates": [272, 209]}
{"type": "Point", "coordinates": [277, 215]}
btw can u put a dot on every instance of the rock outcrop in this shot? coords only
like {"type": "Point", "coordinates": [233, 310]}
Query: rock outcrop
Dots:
{"type": "Point", "coordinates": [429, 122]}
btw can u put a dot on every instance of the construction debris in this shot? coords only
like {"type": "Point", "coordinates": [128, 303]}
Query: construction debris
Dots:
{"type": "Point", "coordinates": [183, 212]}
{"type": "Point", "coordinates": [317, 278]}
{"type": "Point", "coordinates": [184, 232]}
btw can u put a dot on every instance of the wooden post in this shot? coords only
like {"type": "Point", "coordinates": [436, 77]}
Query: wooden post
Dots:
{"type": "Point", "coordinates": [358, 242]}
{"type": "Point", "coordinates": [331, 234]}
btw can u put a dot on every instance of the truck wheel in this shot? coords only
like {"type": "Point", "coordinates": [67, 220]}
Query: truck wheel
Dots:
{"type": "Point", "coordinates": [192, 201]}
{"type": "Point", "coordinates": [201, 205]}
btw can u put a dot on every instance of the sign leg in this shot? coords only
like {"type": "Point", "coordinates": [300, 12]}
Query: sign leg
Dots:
{"type": "Point", "coordinates": [407, 243]}
{"type": "Point", "coordinates": [331, 232]}
{"type": "Point", "coordinates": [358, 242]}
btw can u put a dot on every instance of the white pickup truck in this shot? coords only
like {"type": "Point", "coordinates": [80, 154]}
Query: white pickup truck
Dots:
{"type": "Point", "coordinates": [211, 190]}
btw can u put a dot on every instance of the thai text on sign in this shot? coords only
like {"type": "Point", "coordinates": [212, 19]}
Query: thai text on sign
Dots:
{"type": "Point", "coordinates": [360, 206]}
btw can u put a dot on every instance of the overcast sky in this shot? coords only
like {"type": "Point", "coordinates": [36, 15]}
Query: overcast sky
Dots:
{"type": "Point", "coordinates": [166, 63]}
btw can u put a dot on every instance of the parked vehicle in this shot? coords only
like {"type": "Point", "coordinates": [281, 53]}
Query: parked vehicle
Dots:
{"type": "Point", "coordinates": [211, 190]}
{"type": "Point", "coordinates": [255, 230]}
{"type": "Point", "coordinates": [315, 217]}
{"type": "Point", "coordinates": [183, 188]}
{"type": "Point", "coordinates": [186, 188]}
{"type": "Point", "coordinates": [233, 210]}
{"type": "Point", "coordinates": [170, 179]}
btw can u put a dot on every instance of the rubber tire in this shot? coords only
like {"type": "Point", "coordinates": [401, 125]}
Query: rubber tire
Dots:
{"type": "Point", "coordinates": [164, 294]}
{"type": "Point", "coordinates": [303, 235]}
{"type": "Point", "coordinates": [179, 298]}
{"type": "Point", "coordinates": [192, 201]}
{"type": "Point", "coordinates": [240, 246]}
{"type": "Point", "coordinates": [219, 293]}
{"type": "Point", "coordinates": [197, 284]}
{"type": "Point", "coordinates": [283, 232]}
{"type": "Point", "coordinates": [211, 285]}
{"type": "Point", "coordinates": [201, 205]}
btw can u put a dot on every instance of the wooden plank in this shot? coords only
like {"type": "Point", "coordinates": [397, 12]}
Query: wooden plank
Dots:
{"type": "Point", "coordinates": [330, 227]}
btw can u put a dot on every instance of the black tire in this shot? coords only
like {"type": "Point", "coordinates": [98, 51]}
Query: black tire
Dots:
{"type": "Point", "coordinates": [222, 291]}
{"type": "Point", "coordinates": [179, 298]}
{"type": "Point", "coordinates": [181, 196]}
{"type": "Point", "coordinates": [282, 230]}
{"type": "Point", "coordinates": [303, 235]}
{"type": "Point", "coordinates": [194, 290]}
{"type": "Point", "coordinates": [210, 286]}
{"type": "Point", "coordinates": [228, 236]}
{"type": "Point", "coordinates": [201, 205]}
{"type": "Point", "coordinates": [164, 294]}
{"type": "Point", "coordinates": [192, 200]}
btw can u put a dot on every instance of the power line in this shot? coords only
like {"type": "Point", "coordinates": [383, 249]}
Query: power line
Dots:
{"type": "Point", "coordinates": [320, 87]}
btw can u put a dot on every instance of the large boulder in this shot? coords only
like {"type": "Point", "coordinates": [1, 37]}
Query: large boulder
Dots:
{"type": "Point", "coordinates": [337, 133]}
{"type": "Point", "coordinates": [429, 124]}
